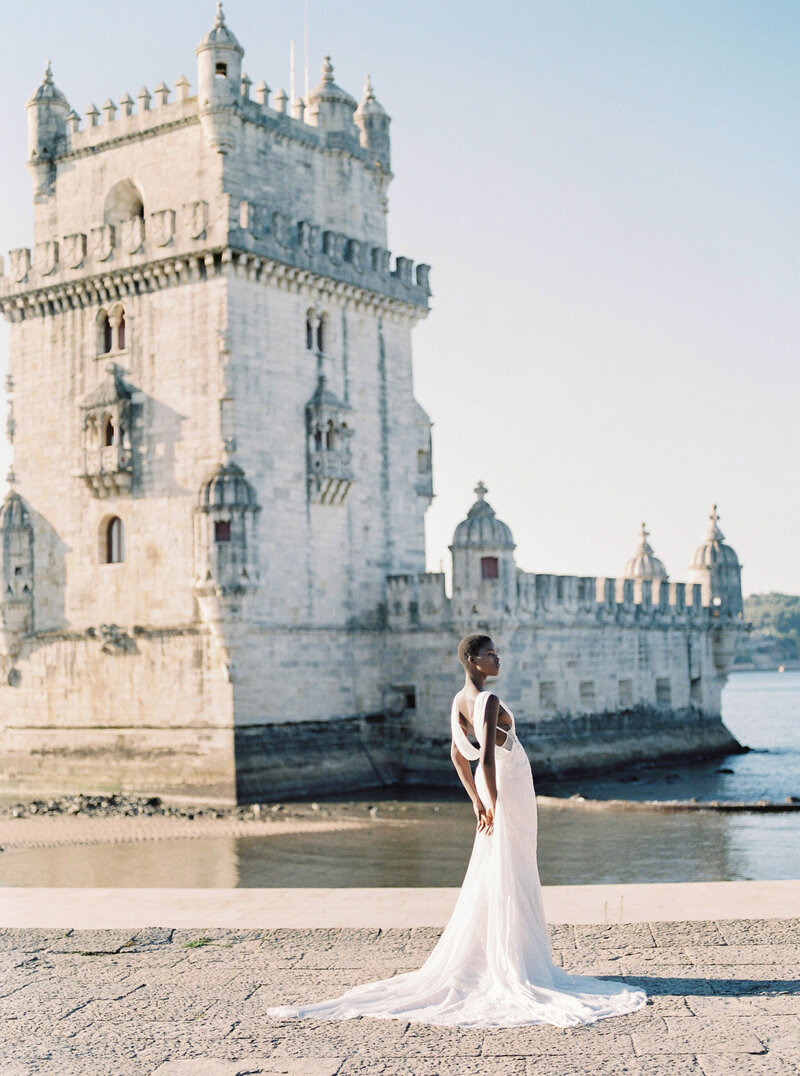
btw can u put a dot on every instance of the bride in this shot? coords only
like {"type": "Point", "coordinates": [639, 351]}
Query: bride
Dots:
{"type": "Point", "coordinates": [492, 966]}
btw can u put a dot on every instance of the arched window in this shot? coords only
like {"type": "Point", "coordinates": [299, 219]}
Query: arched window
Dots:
{"type": "Point", "coordinates": [115, 541]}
{"type": "Point", "coordinates": [310, 318]}
{"type": "Point", "coordinates": [105, 336]}
{"type": "Point", "coordinates": [322, 328]}
{"type": "Point", "coordinates": [123, 202]}
{"type": "Point", "coordinates": [330, 437]}
{"type": "Point", "coordinates": [317, 440]}
{"type": "Point", "coordinates": [121, 332]}
{"type": "Point", "coordinates": [108, 432]}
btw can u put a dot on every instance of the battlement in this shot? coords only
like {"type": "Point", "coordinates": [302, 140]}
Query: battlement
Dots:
{"type": "Point", "coordinates": [565, 600]}
{"type": "Point", "coordinates": [248, 228]}
{"type": "Point", "coordinates": [149, 113]}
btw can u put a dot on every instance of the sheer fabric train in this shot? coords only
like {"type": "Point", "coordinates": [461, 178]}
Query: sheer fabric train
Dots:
{"type": "Point", "coordinates": [492, 966]}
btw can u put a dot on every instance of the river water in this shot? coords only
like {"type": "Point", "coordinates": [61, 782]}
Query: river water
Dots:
{"type": "Point", "coordinates": [423, 841]}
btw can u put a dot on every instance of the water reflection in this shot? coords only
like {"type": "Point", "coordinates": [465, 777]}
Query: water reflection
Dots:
{"type": "Point", "coordinates": [432, 848]}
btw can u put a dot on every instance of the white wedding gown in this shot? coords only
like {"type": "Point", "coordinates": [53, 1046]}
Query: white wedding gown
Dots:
{"type": "Point", "coordinates": [492, 966]}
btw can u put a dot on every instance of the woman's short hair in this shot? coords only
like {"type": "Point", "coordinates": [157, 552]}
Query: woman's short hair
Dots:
{"type": "Point", "coordinates": [469, 647]}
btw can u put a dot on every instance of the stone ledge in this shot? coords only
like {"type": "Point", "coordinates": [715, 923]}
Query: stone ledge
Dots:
{"type": "Point", "coordinates": [614, 908]}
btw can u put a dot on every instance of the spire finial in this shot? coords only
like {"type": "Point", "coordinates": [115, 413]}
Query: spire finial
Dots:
{"type": "Point", "coordinates": [327, 70]}
{"type": "Point", "coordinates": [220, 16]}
{"type": "Point", "coordinates": [714, 534]}
{"type": "Point", "coordinates": [369, 93]}
{"type": "Point", "coordinates": [480, 490]}
{"type": "Point", "coordinates": [48, 74]}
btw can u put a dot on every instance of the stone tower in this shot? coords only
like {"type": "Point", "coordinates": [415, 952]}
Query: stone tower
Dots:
{"type": "Point", "coordinates": [218, 452]}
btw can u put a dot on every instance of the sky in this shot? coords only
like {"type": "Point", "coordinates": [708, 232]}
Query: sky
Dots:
{"type": "Point", "coordinates": [607, 193]}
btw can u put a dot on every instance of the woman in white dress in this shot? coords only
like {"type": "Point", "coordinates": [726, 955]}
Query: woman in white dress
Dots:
{"type": "Point", "coordinates": [492, 966]}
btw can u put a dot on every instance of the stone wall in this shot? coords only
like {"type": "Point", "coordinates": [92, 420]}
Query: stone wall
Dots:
{"type": "Point", "coordinates": [123, 711]}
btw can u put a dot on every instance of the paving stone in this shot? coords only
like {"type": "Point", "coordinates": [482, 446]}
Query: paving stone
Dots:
{"type": "Point", "coordinates": [544, 1039]}
{"type": "Point", "coordinates": [207, 1066]}
{"type": "Point", "coordinates": [748, 1065]}
{"type": "Point", "coordinates": [29, 940]}
{"type": "Point", "coordinates": [93, 941]}
{"type": "Point", "coordinates": [562, 935]}
{"type": "Point", "coordinates": [506, 1066]}
{"type": "Point", "coordinates": [694, 1035]}
{"type": "Point", "coordinates": [676, 934]}
{"type": "Point", "coordinates": [443, 1041]}
{"type": "Point", "coordinates": [595, 1065]}
{"type": "Point", "coordinates": [615, 936]}
{"type": "Point", "coordinates": [705, 955]}
{"type": "Point", "coordinates": [759, 931]}
{"type": "Point", "coordinates": [780, 1034]}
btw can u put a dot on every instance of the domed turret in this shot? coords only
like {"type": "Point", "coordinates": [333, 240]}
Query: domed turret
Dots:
{"type": "Point", "coordinates": [16, 573]}
{"type": "Point", "coordinates": [329, 106]}
{"type": "Point", "coordinates": [644, 564]}
{"type": "Point", "coordinates": [484, 572]}
{"type": "Point", "coordinates": [373, 123]}
{"type": "Point", "coordinates": [225, 533]}
{"type": "Point", "coordinates": [219, 84]}
{"type": "Point", "coordinates": [227, 488]}
{"type": "Point", "coordinates": [716, 567]}
{"type": "Point", "coordinates": [47, 132]}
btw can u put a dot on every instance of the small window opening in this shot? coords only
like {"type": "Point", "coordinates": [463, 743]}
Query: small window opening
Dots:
{"type": "Point", "coordinates": [309, 334]}
{"type": "Point", "coordinates": [115, 541]}
{"type": "Point", "coordinates": [330, 437]}
{"type": "Point", "coordinates": [108, 437]}
{"type": "Point", "coordinates": [121, 333]}
{"type": "Point", "coordinates": [221, 70]}
{"type": "Point", "coordinates": [321, 335]}
{"type": "Point", "coordinates": [489, 568]}
{"type": "Point", "coordinates": [317, 440]}
{"type": "Point", "coordinates": [423, 461]}
{"type": "Point", "coordinates": [108, 335]}
{"type": "Point", "coordinates": [222, 530]}
{"type": "Point", "coordinates": [411, 700]}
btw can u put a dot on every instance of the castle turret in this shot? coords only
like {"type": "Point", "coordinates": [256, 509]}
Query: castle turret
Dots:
{"type": "Point", "coordinates": [484, 571]}
{"type": "Point", "coordinates": [716, 567]}
{"type": "Point", "coordinates": [219, 84]}
{"type": "Point", "coordinates": [47, 132]}
{"type": "Point", "coordinates": [16, 573]}
{"type": "Point", "coordinates": [329, 106]}
{"type": "Point", "coordinates": [373, 123]}
{"type": "Point", "coordinates": [644, 564]}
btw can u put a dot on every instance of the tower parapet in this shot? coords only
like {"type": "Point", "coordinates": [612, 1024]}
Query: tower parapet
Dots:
{"type": "Point", "coordinates": [716, 568]}
{"type": "Point", "coordinates": [48, 110]}
{"type": "Point", "coordinates": [220, 85]}
{"type": "Point", "coordinates": [373, 123]}
{"type": "Point", "coordinates": [16, 574]}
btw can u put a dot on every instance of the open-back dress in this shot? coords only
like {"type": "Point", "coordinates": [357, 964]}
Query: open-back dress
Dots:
{"type": "Point", "coordinates": [492, 966]}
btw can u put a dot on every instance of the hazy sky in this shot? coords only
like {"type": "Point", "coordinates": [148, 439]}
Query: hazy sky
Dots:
{"type": "Point", "coordinates": [608, 195]}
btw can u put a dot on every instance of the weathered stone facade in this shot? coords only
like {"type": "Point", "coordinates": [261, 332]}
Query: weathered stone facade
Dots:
{"type": "Point", "coordinates": [213, 551]}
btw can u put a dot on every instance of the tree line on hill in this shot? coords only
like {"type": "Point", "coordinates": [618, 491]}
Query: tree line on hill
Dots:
{"type": "Point", "coordinates": [775, 636]}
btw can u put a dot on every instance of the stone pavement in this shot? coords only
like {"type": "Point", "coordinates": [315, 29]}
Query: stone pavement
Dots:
{"type": "Point", "coordinates": [725, 999]}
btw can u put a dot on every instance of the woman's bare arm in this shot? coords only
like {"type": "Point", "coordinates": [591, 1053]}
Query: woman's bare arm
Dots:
{"type": "Point", "coordinates": [464, 771]}
{"type": "Point", "coordinates": [487, 753]}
